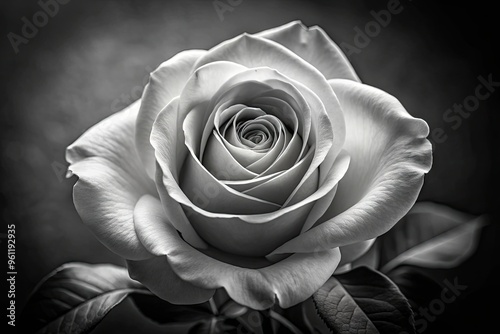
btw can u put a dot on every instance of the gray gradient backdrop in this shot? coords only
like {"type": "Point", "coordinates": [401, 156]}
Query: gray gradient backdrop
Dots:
{"type": "Point", "coordinates": [73, 73]}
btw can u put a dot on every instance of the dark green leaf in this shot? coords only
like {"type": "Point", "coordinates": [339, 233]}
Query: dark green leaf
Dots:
{"type": "Point", "coordinates": [363, 301]}
{"type": "Point", "coordinates": [415, 285]}
{"type": "Point", "coordinates": [431, 236]}
{"type": "Point", "coordinates": [75, 298]}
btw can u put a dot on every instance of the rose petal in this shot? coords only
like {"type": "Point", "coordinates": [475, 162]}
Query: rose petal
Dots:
{"type": "Point", "coordinates": [220, 157]}
{"type": "Point", "coordinates": [390, 155]}
{"type": "Point", "coordinates": [229, 233]}
{"type": "Point", "coordinates": [285, 113]}
{"type": "Point", "coordinates": [244, 185]}
{"type": "Point", "coordinates": [197, 182]}
{"type": "Point", "coordinates": [165, 83]}
{"type": "Point", "coordinates": [157, 275]}
{"type": "Point", "coordinates": [370, 258]}
{"type": "Point", "coordinates": [286, 182]}
{"type": "Point", "coordinates": [321, 205]}
{"type": "Point", "coordinates": [314, 46]}
{"type": "Point", "coordinates": [253, 235]}
{"type": "Point", "coordinates": [284, 158]}
{"type": "Point", "coordinates": [324, 202]}
{"type": "Point", "coordinates": [321, 132]}
{"type": "Point", "coordinates": [221, 163]}
{"type": "Point", "coordinates": [290, 281]}
{"type": "Point", "coordinates": [167, 139]}
{"type": "Point", "coordinates": [195, 100]}
{"type": "Point", "coordinates": [110, 182]}
{"type": "Point", "coordinates": [354, 251]}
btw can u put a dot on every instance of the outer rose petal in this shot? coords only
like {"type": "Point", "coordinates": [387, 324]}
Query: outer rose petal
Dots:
{"type": "Point", "coordinates": [390, 155]}
{"type": "Point", "coordinates": [172, 207]}
{"type": "Point", "coordinates": [157, 275]}
{"type": "Point", "coordinates": [111, 180]}
{"type": "Point", "coordinates": [354, 251]}
{"type": "Point", "coordinates": [314, 46]}
{"type": "Point", "coordinates": [370, 259]}
{"type": "Point", "coordinates": [165, 83]}
{"type": "Point", "coordinates": [291, 280]}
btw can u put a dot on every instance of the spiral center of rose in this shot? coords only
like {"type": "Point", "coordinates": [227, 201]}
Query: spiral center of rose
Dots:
{"type": "Point", "coordinates": [251, 131]}
{"type": "Point", "coordinates": [256, 139]}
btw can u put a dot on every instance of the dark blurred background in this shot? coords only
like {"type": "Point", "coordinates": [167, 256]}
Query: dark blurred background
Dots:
{"type": "Point", "coordinates": [93, 57]}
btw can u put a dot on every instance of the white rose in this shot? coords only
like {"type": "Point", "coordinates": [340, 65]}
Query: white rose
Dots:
{"type": "Point", "coordinates": [257, 166]}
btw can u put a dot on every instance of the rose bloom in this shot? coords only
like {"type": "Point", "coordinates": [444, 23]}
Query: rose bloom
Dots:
{"type": "Point", "coordinates": [259, 166]}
